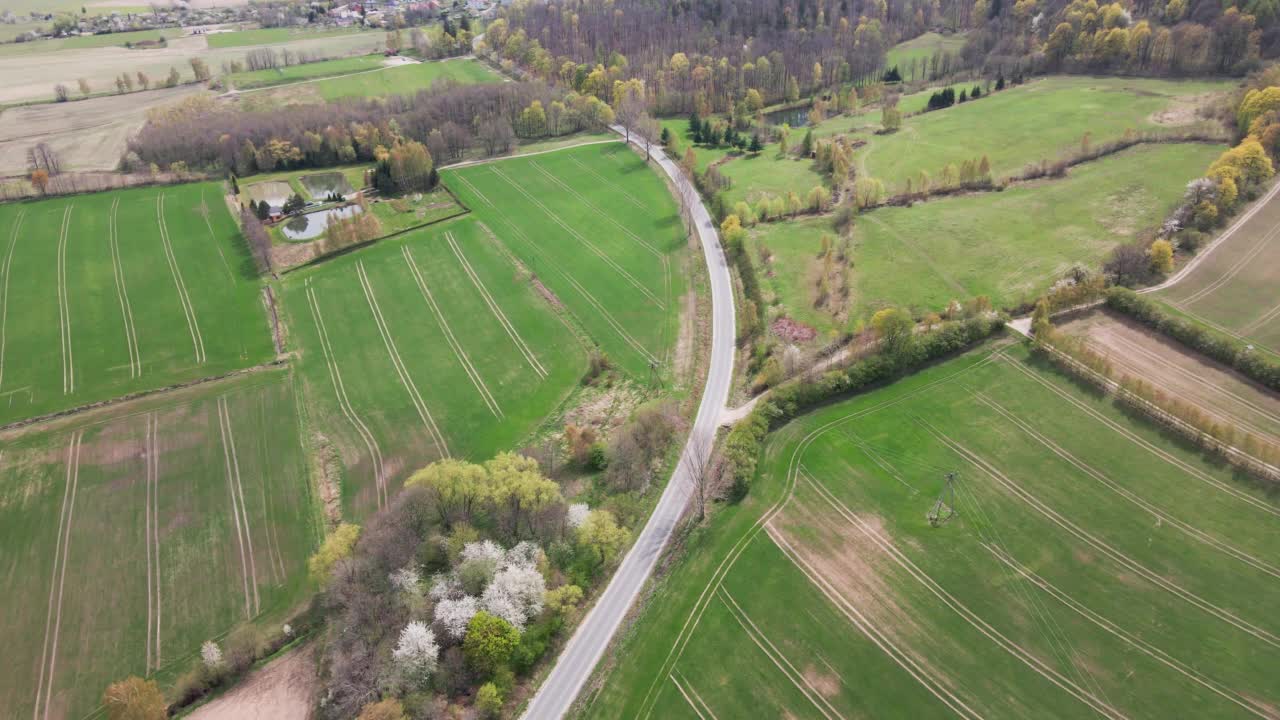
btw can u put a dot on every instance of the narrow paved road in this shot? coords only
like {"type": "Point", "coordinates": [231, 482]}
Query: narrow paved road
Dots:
{"type": "Point", "coordinates": [580, 655]}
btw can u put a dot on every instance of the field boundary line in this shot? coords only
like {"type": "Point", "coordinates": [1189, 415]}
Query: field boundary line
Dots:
{"type": "Point", "coordinates": [1233, 270]}
{"type": "Point", "coordinates": [1105, 548]}
{"type": "Point", "coordinates": [1266, 317]}
{"type": "Point", "coordinates": [458, 351]}
{"type": "Point", "coordinates": [1138, 643]}
{"type": "Point", "coordinates": [405, 378]}
{"type": "Point", "coordinates": [473, 189]}
{"type": "Point", "coordinates": [626, 195]}
{"type": "Point", "coordinates": [147, 452]}
{"type": "Point", "coordinates": [244, 512]}
{"type": "Point", "coordinates": [1135, 439]}
{"type": "Point", "coordinates": [596, 209]}
{"type": "Point", "coordinates": [520, 156]}
{"type": "Point", "coordinates": [122, 294]}
{"type": "Point", "coordinates": [495, 308]}
{"type": "Point", "coordinates": [62, 549]}
{"type": "Point", "coordinates": [340, 393]}
{"type": "Point", "coordinates": [761, 523]}
{"type": "Point", "coordinates": [1028, 658]}
{"type": "Point", "coordinates": [154, 469]}
{"type": "Point", "coordinates": [204, 211]}
{"type": "Point", "coordinates": [231, 489]}
{"type": "Point", "coordinates": [1136, 499]}
{"type": "Point", "coordinates": [761, 640]}
{"type": "Point", "coordinates": [595, 250]}
{"type": "Point", "coordinates": [14, 233]}
{"type": "Point", "coordinates": [697, 711]}
{"type": "Point", "coordinates": [64, 307]}
{"type": "Point", "coordinates": [193, 324]}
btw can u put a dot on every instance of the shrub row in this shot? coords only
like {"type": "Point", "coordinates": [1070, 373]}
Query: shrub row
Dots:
{"type": "Point", "coordinates": [1220, 347]}
{"type": "Point", "coordinates": [737, 464]}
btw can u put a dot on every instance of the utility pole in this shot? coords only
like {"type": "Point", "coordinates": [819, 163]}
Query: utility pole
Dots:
{"type": "Point", "coordinates": [944, 508]}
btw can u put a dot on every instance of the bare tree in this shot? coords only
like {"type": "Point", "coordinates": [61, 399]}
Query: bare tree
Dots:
{"type": "Point", "coordinates": [697, 463]}
{"type": "Point", "coordinates": [60, 92]}
{"type": "Point", "coordinates": [258, 239]}
{"type": "Point", "coordinates": [649, 131]}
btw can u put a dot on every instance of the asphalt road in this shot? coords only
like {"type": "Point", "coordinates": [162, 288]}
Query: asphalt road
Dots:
{"type": "Point", "coordinates": [585, 648]}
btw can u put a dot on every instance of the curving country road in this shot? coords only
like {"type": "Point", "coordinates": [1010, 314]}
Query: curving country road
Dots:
{"type": "Point", "coordinates": [589, 641]}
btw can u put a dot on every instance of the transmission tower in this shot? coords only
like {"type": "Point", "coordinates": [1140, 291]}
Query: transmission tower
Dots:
{"type": "Point", "coordinates": [944, 508]}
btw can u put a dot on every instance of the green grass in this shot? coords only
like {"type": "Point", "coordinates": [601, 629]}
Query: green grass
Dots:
{"type": "Point", "coordinates": [1037, 121]}
{"type": "Point", "coordinates": [402, 213]}
{"type": "Point", "coordinates": [1008, 245]}
{"type": "Point", "coordinates": [406, 79]}
{"type": "Point", "coordinates": [103, 630]}
{"type": "Point", "coordinates": [1234, 289]}
{"type": "Point", "coordinates": [922, 48]}
{"type": "Point", "coordinates": [270, 36]}
{"type": "Point", "coordinates": [83, 42]}
{"type": "Point", "coordinates": [55, 360]}
{"type": "Point", "coordinates": [325, 68]}
{"type": "Point", "coordinates": [875, 456]}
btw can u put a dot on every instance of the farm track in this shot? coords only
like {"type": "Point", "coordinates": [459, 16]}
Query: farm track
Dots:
{"type": "Point", "coordinates": [777, 657]}
{"type": "Point", "coordinates": [405, 378]}
{"type": "Point", "coordinates": [64, 307]}
{"type": "Point", "coordinates": [622, 192]}
{"type": "Point", "coordinates": [1123, 432]}
{"type": "Point", "coordinates": [193, 323]}
{"type": "Point", "coordinates": [596, 209]}
{"type": "Point", "coordinates": [458, 351]}
{"type": "Point", "coordinates": [462, 179]}
{"type": "Point", "coordinates": [53, 617]}
{"type": "Point", "coordinates": [1028, 658]}
{"type": "Point", "coordinates": [496, 309]}
{"type": "Point", "coordinates": [694, 706]}
{"type": "Point", "coordinates": [764, 523]}
{"type": "Point", "coordinates": [1101, 546]}
{"type": "Point", "coordinates": [595, 249]}
{"type": "Point", "coordinates": [340, 392]}
{"type": "Point", "coordinates": [203, 209]}
{"type": "Point", "coordinates": [1192, 531]}
{"type": "Point", "coordinates": [1249, 704]}
{"type": "Point", "coordinates": [122, 294]}
{"type": "Point", "coordinates": [688, 686]}
{"type": "Point", "coordinates": [14, 233]}
{"type": "Point", "coordinates": [154, 597]}
{"type": "Point", "coordinates": [232, 466]}
{"type": "Point", "coordinates": [1266, 317]}
{"type": "Point", "coordinates": [1233, 270]}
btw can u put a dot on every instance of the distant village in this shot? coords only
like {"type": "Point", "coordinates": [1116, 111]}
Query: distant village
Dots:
{"type": "Point", "coordinates": [380, 14]}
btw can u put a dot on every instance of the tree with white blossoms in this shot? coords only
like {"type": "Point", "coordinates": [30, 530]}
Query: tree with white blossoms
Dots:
{"type": "Point", "coordinates": [453, 614]}
{"type": "Point", "coordinates": [211, 654]}
{"type": "Point", "coordinates": [416, 652]}
{"type": "Point", "coordinates": [577, 515]}
{"type": "Point", "coordinates": [524, 553]}
{"type": "Point", "coordinates": [483, 550]}
{"type": "Point", "coordinates": [406, 579]}
{"type": "Point", "coordinates": [445, 585]}
{"type": "Point", "coordinates": [515, 595]}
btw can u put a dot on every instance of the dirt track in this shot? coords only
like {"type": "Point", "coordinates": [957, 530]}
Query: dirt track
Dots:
{"type": "Point", "coordinates": [284, 689]}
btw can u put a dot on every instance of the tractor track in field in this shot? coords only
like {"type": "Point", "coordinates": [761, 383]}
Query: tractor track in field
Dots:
{"type": "Point", "coordinates": [14, 233]}
{"type": "Point", "coordinates": [193, 323]}
{"type": "Point", "coordinates": [53, 617]}
{"type": "Point", "coordinates": [1233, 270]}
{"type": "Point", "coordinates": [595, 249]}
{"type": "Point", "coordinates": [64, 307]}
{"type": "Point", "coordinates": [232, 467]}
{"type": "Point", "coordinates": [458, 351]}
{"type": "Point", "coordinates": [1124, 432]}
{"type": "Point", "coordinates": [694, 706]}
{"type": "Point", "coordinates": [1249, 704]}
{"type": "Point", "coordinates": [122, 294]}
{"type": "Point", "coordinates": [689, 687]}
{"type": "Point", "coordinates": [203, 210]}
{"type": "Point", "coordinates": [394, 353]}
{"type": "Point", "coordinates": [776, 656]}
{"type": "Point", "coordinates": [154, 596]}
{"type": "Point", "coordinates": [596, 209]}
{"type": "Point", "coordinates": [340, 392]}
{"type": "Point", "coordinates": [1192, 531]}
{"type": "Point", "coordinates": [473, 189]}
{"type": "Point", "coordinates": [605, 181]}
{"type": "Point", "coordinates": [495, 308]}
{"type": "Point", "coordinates": [1028, 658]}
{"type": "Point", "coordinates": [1101, 546]}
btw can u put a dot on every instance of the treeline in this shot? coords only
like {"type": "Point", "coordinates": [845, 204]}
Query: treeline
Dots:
{"type": "Point", "coordinates": [700, 57]}
{"type": "Point", "coordinates": [450, 120]}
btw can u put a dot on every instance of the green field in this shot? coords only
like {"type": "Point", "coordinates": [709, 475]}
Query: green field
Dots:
{"type": "Point", "coordinates": [1040, 120]}
{"type": "Point", "coordinates": [1095, 567]}
{"type": "Point", "coordinates": [921, 48]}
{"type": "Point", "coordinates": [1008, 245]}
{"type": "Point", "coordinates": [215, 467]}
{"type": "Point", "coordinates": [82, 42]}
{"type": "Point", "coordinates": [112, 293]}
{"type": "Point", "coordinates": [1234, 289]}
{"type": "Point", "coordinates": [308, 71]}
{"type": "Point", "coordinates": [406, 79]}
{"type": "Point", "coordinates": [271, 36]}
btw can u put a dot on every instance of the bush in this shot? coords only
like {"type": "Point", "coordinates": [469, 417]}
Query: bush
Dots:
{"type": "Point", "coordinates": [489, 643]}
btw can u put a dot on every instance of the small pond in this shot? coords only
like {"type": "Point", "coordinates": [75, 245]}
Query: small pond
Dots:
{"type": "Point", "coordinates": [320, 185]}
{"type": "Point", "coordinates": [311, 225]}
{"type": "Point", "coordinates": [795, 117]}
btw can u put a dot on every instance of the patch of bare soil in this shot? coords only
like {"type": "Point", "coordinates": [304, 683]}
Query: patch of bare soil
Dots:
{"type": "Point", "coordinates": [284, 689]}
{"type": "Point", "coordinates": [1183, 110]}
{"type": "Point", "coordinates": [685, 338]}
{"type": "Point", "coordinates": [826, 683]}
{"type": "Point", "coordinates": [792, 331]}
{"type": "Point", "coordinates": [547, 295]}
{"type": "Point", "coordinates": [85, 135]}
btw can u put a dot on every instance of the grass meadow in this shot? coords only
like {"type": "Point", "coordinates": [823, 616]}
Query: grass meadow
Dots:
{"type": "Point", "coordinates": [1234, 289]}
{"type": "Point", "coordinates": [1094, 566]}
{"type": "Point", "coordinates": [132, 536]}
{"type": "Point", "coordinates": [921, 49]}
{"type": "Point", "coordinates": [251, 79]}
{"type": "Point", "coordinates": [406, 79]}
{"type": "Point", "coordinates": [1040, 120]}
{"type": "Point", "coordinates": [271, 36]}
{"type": "Point", "coordinates": [108, 294]}
{"type": "Point", "coordinates": [1007, 245]}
